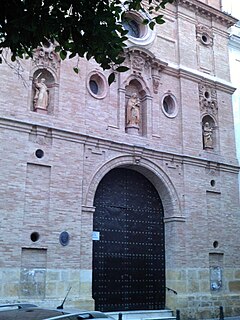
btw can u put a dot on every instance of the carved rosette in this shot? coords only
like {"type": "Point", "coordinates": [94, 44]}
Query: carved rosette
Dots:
{"type": "Point", "coordinates": [138, 63]}
{"type": "Point", "coordinates": [208, 100]}
{"type": "Point", "coordinates": [204, 35]}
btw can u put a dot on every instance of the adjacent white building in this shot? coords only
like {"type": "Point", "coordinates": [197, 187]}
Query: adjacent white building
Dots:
{"type": "Point", "coordinates": [234, 54]}
{"type": "Point", "coordinates": [232, 7]}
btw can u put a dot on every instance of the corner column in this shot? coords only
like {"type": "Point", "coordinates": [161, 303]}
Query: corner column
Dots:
{"type": "Point", "coordinates": [86, 300]}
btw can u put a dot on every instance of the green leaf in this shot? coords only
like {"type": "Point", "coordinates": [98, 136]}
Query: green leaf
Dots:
{"type": "Point", "coordinates": [119, 60]}
{"type": "Point", "coordinates": [78, 27]}
{"type": "Point", "coordinates": [151, 25]}
{"type": "Point", "coordinates": [145, 21]}
{"type": "Point", "coordinates": [159, 19]}
{"type": "Point", "coordinates": [72, 55]}
{"type": "Point", "coordinates": [63, 54]}
{"type": "Point", "coordinates": [111, 78]}
{"type": "Point", "coordinates": [76, 70]}
{"type": "Point", "coordinates": [122, 69]}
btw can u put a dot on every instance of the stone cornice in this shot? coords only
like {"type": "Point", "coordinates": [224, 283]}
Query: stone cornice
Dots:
{"type": "Point", "coordinates": [181, 71]}
{"type": "Point", "coordinates": [104, 143]}
{"type": "Point", "coordinates": [208, 11]}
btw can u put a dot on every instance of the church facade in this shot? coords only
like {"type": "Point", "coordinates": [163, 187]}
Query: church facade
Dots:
{"type": "Point", "coordinates": [126, 196]}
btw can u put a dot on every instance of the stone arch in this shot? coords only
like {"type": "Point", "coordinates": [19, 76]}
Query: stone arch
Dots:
{"type": "Point", "coordinates": [151, 171]}
{"type": "Point", "coordinates": [141, 83]}
{"type": "Point", "coordinates": [173, 215]}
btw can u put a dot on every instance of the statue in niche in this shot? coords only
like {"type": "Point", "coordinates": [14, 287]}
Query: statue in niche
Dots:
{"type": "Point", "coordinates": [41, 97]}
{"type": "Point", "coordinates": [207, 135]}
{"type": "Point", "coordinates": [133, 110]}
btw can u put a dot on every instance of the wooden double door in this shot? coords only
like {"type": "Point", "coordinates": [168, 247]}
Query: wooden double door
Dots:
{"type": "Point", "coordinates": [129, 250]}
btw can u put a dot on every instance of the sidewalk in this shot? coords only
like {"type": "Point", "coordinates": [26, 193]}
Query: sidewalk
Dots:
{"type": "Point", "coordinates": [227, 318]}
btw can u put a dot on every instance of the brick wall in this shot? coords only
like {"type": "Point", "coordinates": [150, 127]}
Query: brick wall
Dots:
{"type": "Point", "coordinates": [85, 136]}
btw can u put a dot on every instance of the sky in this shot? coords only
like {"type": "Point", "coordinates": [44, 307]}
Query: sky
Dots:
{"type": "Point", "coordinates": [232, 7]}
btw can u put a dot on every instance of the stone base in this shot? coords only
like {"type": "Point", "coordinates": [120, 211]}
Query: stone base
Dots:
{"type": "Point", "coordinates": [40, 110]}
{"type": "Point", "coordinates": [132, 129]}
{"type": "Point", "coordinates": [208, 148]}
{"type": "Point", "coordinates": [83, 304]}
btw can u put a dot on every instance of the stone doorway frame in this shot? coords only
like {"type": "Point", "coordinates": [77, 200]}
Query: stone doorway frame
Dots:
{"type": "Point", "coordinates": [172, 210]}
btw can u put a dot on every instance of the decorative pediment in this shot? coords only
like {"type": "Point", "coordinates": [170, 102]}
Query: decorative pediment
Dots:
{"type": "Point", "coordinates": [142, 61]}
{"type": "Point", "coordinates": [45, 57]}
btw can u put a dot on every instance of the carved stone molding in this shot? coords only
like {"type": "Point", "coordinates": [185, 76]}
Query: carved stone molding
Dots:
{"type": "Point", "coordinates": [204, 10]}
{"type": "Point", "coordinates": [138, 63]}
{"type": "Point", "coordinates": [40, 135]}
{"type": "Point", "coordinates": [143, 61]}
{"type": "Point", "coordinates": [208, 100]}
{"type": "Point", "coordinates": [204, 35]}
{"type": "Point", "coordinates": [212, 169]}
{"type": "Point", "coordinates": [156, 83]}
{"type": "Point", "coordinates": [46, 57]}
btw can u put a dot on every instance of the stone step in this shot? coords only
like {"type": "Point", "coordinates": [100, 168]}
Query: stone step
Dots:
{"type": "Point", "coordinates": [143, 315]}
{"type": "Point", "coordinates": [161, 318]}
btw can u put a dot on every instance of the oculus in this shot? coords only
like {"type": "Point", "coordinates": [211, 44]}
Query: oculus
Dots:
{"type": "Point", "coordinates": [34, 236]}
{"type": "Point", "coordinates": [39, 153]}
{"type": "Point", "coordinates": [169, 105]}
{"type": "Point", "coordinates": [97, 85]}
{"type": "Point", "coordinates": [138, 33]}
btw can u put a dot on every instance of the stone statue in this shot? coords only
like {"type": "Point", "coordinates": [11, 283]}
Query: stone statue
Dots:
{"type": "Point", "coordinates": [41, 98]}
{"type": "Point", "coordinates": [133, 110]}
{"type": "Point", "coordinates": [207, 135]}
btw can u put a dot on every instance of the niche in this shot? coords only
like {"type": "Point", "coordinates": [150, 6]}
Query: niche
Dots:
{"type": "Point", "coordinates": [42, 99]}
{"type": "Point", "coordinates": [208, 133]}
{"type": "Point", "coordinates": [136, 108]}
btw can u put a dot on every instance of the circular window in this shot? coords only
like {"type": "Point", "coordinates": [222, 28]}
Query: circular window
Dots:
{"type": "Point", "coordinates": [132, 27]}
{"type": "Point", "coordinates": [215, 244]}
{"type": "Point", "coordinates": [97, 85]}
{"type": "Point", "coordinates": [213, 182]}
{"type": "Point", "coordinates": [93, 86]}
{"type": "Point", "coordinates": [169, 106]}
{"type": "Point", "coordinates": [205, 39]}
{"type": "Point", "coordinates": [34, 236]}
{"type": "Point", "coordinates": [138, 33]}
{"type": "Point", "coordinates": [207, 94]}
{"type": "Point", "coordinates": [39, 153]}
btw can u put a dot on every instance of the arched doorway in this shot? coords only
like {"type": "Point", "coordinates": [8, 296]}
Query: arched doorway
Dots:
{"type": "Point", "coordinates": [129, 255]}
